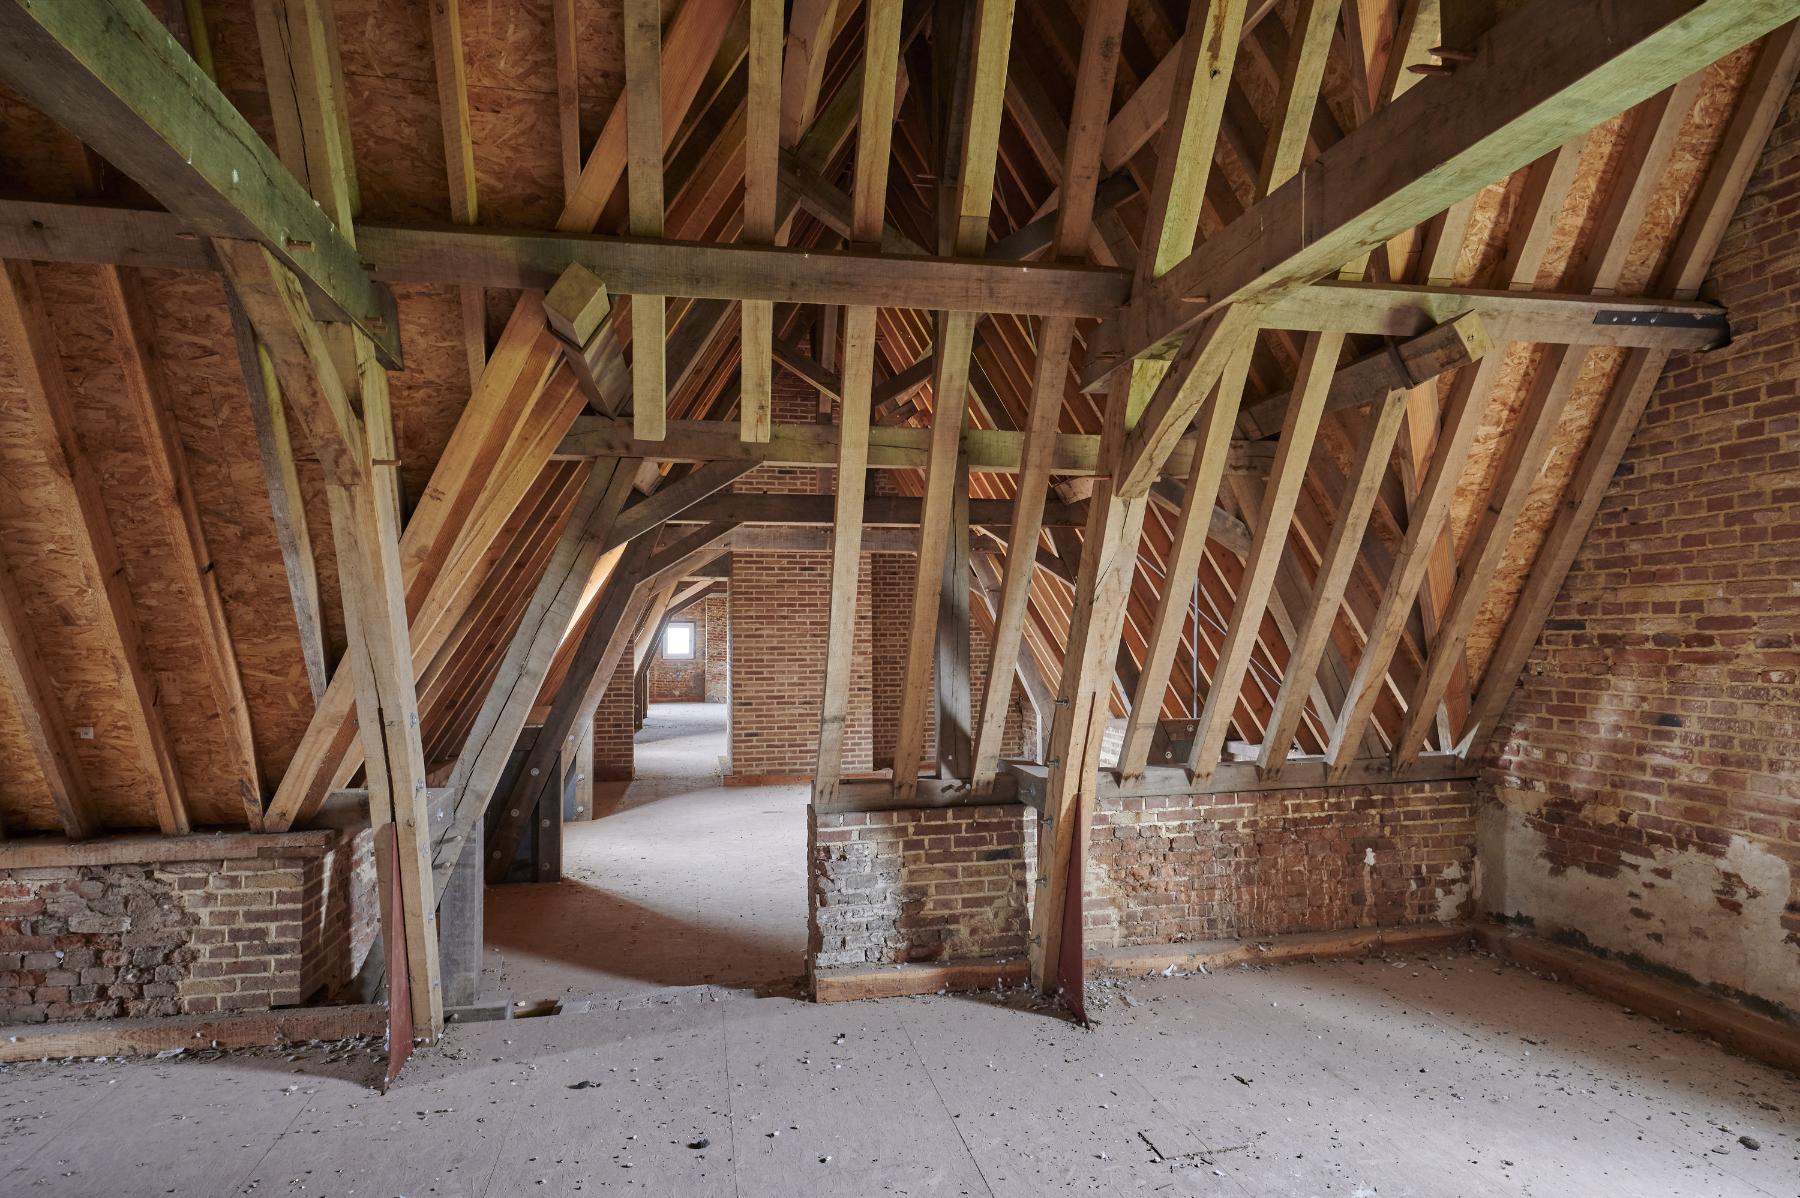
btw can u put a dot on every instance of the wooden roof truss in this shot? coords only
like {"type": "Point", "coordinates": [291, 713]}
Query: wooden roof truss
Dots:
{"type": "Point", "coordinates": [1233, 389]}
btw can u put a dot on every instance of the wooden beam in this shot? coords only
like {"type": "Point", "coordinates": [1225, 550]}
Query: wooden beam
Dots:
{"type": "Point", "coordinates": [1314, 23]}
{"type": "Point", "coordinates": [885, 395]}
{"type": "Point", "coordinates": [678, 497]}
{"type": "Point", "coordinates": [809, 40]}
{"type": "Point", "coordinates": [1108, 561]}
{"type": "Point", "coordinates": [762, 152]}
{"type": "Point", "coordinates": [1646, 153]}
{"type": "Point", "coordinates": [34, 698]}
{"type": "Point", "coordinates": [1337, 560]}
{"type": "Point", "coordinates": [1373, 377]}
{"type": "Point", "coordinates": [365, 520]}
{"type": "Point", "coordinates": [607, 628]}
{"type": "Point", "coordinates": [1173, 396]}
{"type": "Point", "coordinates": [644, 142]}
{"type": "Point", "coordinates": [819, 510]}
{"type": "Point", "coordinates": [950, 675]}
{"type": "Point", "coordinates": [1765, 93]}
{"type": "Point", "coordinates": [40, 377]}
{"type": "Point", "coordinates": [568, 92]}
{"type": "Point", "coordinates": [947, 461]}
{"type": "Point", "coordinates": [860, 274]}
{"type": "Point", "coordinates": [127, 310]}
{"type": "Point", "coordinates": [992, 451]}
{"type": "Point", "coordinates": [287, 505]}
{"type": "Point", "coordinates": [1192, 526]}
{"type": "Point", "coordinates": [340, 391]}
{"type": "Point", "coordinates": [509, 700]}
{"type": "Point", "coordinates": [459, 160]}
{"type": "Point", "coordinates": [1530, 87]}
{"type": "Point", "coordinates": [579, 312]}
{"type": "Point", "coordinates": [881, 60]}
{"type": "Point", "coordinates": [52, 231]}
{"type": "Point", "coordinates": [1311, 386]}
{"type": "Point", "coordinates": [110, 73]}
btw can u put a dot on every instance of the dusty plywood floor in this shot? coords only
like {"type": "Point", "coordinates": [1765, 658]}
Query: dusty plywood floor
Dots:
{"type": "Point", "coordinates": [1444, 1075]}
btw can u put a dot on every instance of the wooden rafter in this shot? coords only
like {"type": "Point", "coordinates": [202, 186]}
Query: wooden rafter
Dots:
{"type": "Point", "coordinates": [459, 161]}
{"type": "Point", "coordinates": [128, 312]}
{"type": "Point", "coordinates": [1050, 377]}
{"type": "Point", "coordinates": [645, 139]}
{"type": "Point", "coordinates": [881, 54]}
{"type": "Point", "coordinates": [978, 122]}
{"type": "Point", "coordinates": [1529, 88]}
{"type": "Point", "coordinates": [107, 71]}
{"type": "Point", "coordinates": [33, 349]}
{"type": "Point", "coordinates": [762, 153]}
{"type": "Point", "coordinates": [1656, 125]}
{"type": "Point", "coordinates": [34, 697]}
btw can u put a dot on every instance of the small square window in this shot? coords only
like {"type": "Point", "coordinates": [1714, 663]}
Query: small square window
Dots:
{"type": "Point", "coordinates": [678, 639]}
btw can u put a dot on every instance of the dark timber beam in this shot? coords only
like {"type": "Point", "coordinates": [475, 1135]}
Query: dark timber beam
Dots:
{"type": "Point", "coordinates": [109, 72]}
{"type": "Point", "coordinates": [1550, 71]}
{"type": "Point", "coordinates": [55, 231]}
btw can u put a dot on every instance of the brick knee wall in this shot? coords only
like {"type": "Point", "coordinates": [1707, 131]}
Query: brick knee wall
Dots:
{"type": "Point", "coordinates": [615, 725]}
{"type": "Point", "coordinates": [1207, 867]}
{"type": "Point", "coordinates": [888, 887]}
{"type": "Point", "coordinates": [1645, 793]}
{"type": "Point", "coordinates": [268, 927]}
{"type": "Point", "coordinates": [340, 915]}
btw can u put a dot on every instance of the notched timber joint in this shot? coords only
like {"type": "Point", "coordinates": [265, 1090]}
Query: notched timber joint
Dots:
{"type": "Point", "coordinates": [579, 312]}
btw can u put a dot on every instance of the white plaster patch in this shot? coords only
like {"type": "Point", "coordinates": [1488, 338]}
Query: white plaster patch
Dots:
{"type": "Point", "coordinates": [1742, 949]}
{"type": "Point", "coordinates": [1453, 892]}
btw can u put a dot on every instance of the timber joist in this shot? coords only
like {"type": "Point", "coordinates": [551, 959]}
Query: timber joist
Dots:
{"type": "Point", "coordinates": [1302, 390]}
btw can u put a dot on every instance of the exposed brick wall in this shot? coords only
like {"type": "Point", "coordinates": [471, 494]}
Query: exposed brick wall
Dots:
{"type": "Point", "coordinates": [615, 725]}
{"type": "Point", "coordinates": [1645, 776]}
{"type": "Point", "coordinates": [890, 598]}
{"type": "Point", "coordinates": [266, 926]}
{"type": "Point", "coordinates": [895, 886]}
{"type": "Point", "coordinates": [682, 680]}
{"type": "Point", "coordinates": [791, 401]}
{"type": "Point", "coordinates": [340, 915]}
{"type": "Point", "coordinates": [1260, 863]}
{"type": "Point", "coordinates": [892, 576]}
{"type": "Point", "coordinates": [780, 609]}
{"type": "Point", "coordinates": [718, 649]}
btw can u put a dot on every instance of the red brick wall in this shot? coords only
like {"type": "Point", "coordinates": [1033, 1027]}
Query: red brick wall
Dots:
{"type": "Point", "coordinates": [892, 577]}
{"type": "Point", "coordinates": [718, 649]}
{"type": "Point", "coordinates": [1263, 863]}
{"type": "Point", "coordinates": [1646, 776]}
{"type": "Point", "coordinates": [895, 886]}
{"type": "Point", "coordinates": [682, 680]}
{"type": "Point", "coordinates": [615, 725]}
{"type": "Point", "coordinates": [256, 926]}
{"type": "Point", "coordinates": [780, 608]}
{"type": "Point", "coordinates": [891, 584]}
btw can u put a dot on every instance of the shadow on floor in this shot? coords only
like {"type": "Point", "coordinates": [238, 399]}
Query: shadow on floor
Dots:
{"type": "Point", "coordinates": [582, 926]}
